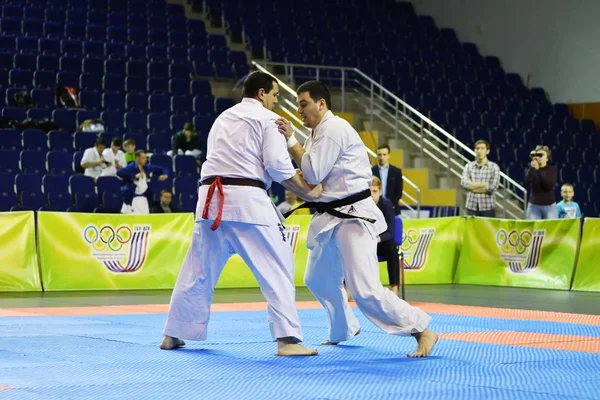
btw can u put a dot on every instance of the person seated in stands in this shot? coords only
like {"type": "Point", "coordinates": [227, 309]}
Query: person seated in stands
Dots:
{"type": "Point", "coordinates": [93, 162]}
{"type": "Point", "coordinates": [115, 157]}
{"type": "Point", "coordinates": [186, 142]}
{"type": "Point", "coordinates": [135, 189]}
{"type": "Point", "coordinates": [291, 202]}
{"type": "Point", "coordinates": [386, 244]}
{"type": "Point", "coordinates": [164, 205]}
{"type": "Point", "coordinates": [129, 146]}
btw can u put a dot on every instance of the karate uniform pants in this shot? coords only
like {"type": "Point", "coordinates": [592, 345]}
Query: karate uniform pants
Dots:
{"type": "Point", "coordinates": [270, 259]}
{"type": "Point", "coordinates": [350, 255]}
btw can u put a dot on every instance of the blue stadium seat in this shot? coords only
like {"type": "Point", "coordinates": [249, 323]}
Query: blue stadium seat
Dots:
{"type": "Point", "coordinates": [158, 69]}
{"type": "Point", "coordinates": [222, 104]}
{"type": "Point", "coordinates": [44, 79]}
{"type": "Point", "coordinates": [55, 184]}
{"type": "Point", "coordinates": [135, 84]}
{"type": "Point", "coordinates": [112, 120]}
{"type": "Point", "coordinates": [113, 83]}
{"type": "Point", "coordinates": [94, 49]}
{"type": "Point", "coordinates": [158, 144]}
{"type": "Point", "coordinates": [68, 79]}
{"type": "Point", "coordinates": [182, 105]}
{"type": "Point", "coordinates": [28, 44]}
{"type": "Point", "coordinates": [35, 139]}
{"type": "Point", "coordinates": [65, 119]}
{"type": "Point", "coordinates": [33, 28]}
{"type": "Point", "coordinates": [156, 52]}
{"type": "Point", "coordinates": [7, 181]}
{"type": "Point", "coordinates": [70, 64]}
{"type": "Point", "coordinates": [93, 66]}
{"type": "Point", "coordinates": [588, 126]}
{"type": "Point", "coordinates": [179, 70]}
{"type": "Point", "coordinates": [158, 85]}
{"type": "Point", "coordinates": [179, 86]}
{"type": "Point", "coordinates": [137, 68]}
{"type": "Point", "coordinates": [84, 115]}
{"type": "Point", "coordinates": [108, 184]}
{"type": "Point", "coordinates": [43, 98]}
{"type": "Point", "coordinates": [116, 34]}
{"type": "Point", "coordinates": [55, 15]}
{"type": "Point", "coordinates": [33, 162]}
{"type": "Point", "coordinates": [20, 78]}
{"type": "Point", "coordinates": [50, 45]}
{"type": "Point", "coordinates": [136, 102]}
{"type": "Point", "coordinates": [17, 114]}
{"type": "Point", "coordinates": [115, 67]}
{"type": "Point", "coordinates": [81, 184]}
{"type": "Point", "coordinates": [25, 62]}
{"type": "Point", "coordinates": [8, 199]}
{"type": "Point", "coordinates": [90, 82]}
{"type": "Point", "coordinates": [84, 140]}
{"type": "Point", "coordinates": [186, 166]}
{"type": "Point", "coordinates": [32, 199]}
{"type": "Point", "coordinates": [135, 122]}
{"type": "Point", "coordinates": [185, 184]}
{"type": "Point", "coordinates": [73, 47]}
{"type": "Point", "coordinates": [28, 182]}
{"type": "Point", "coordinates": [205, 106]}
{"type": "Point", "coordinates": [201, 88]}
{"type": "Point", "coordinates": [114, 50]}
{"type": "Point", "coordinates": [96, 32]}
{"type": "Point", "coordinates": [158, 123]}
{"type": "Point", "coordinates": [112, 202]}
{"type": "Point", "coordinates": [10, 139]}
{"type": "Point", "coordinates": [91, 100]}
{"type": "Point", "coordinates": [164, 161]}
{"type": "Point", "coordinates": [77, 157]}
{"type": "Point", "coordinates": [188, 202]}
{"type": "Point", "coordinates": [177, 53]}
{"type": "Point", "coordinates": [177, 122]}
{"type": "Point", "coordinates": [39, 113]}
{"type": "Point", "coordinates": [86, 201]}
{"type": "Point", "coordinates": [159, 103]}
{"type": "Point", "coordinates": [113, 101]}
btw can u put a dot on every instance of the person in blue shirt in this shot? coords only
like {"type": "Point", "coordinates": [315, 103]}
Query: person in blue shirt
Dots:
{"type": "Point", "coordinates": [135, 189]}
{"type": "Point", "coordinates": [386, 245]}
{"type": "Point", "coordinates": [567, 208]}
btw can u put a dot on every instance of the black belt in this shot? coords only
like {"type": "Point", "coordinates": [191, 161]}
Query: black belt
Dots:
{"type": "Point", "coordinates": [330, 207]}
{"type": "Point", "coordinates": [235, 182]}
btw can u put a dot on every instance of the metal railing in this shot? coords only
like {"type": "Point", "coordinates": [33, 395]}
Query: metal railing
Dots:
{"type": "Point", "coordinates": [287, 103]}
{"type": "Point", "coordinates": [358, 89]}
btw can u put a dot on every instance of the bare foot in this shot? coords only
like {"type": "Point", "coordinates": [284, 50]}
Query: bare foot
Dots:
{"type": "Point", "coordinates": [394, 288]}
{"type": "Point", "coordinates": [170, 343]}
{"type": "Point", "coordinates": [330, 343]}
{"type": "Point", "coordinates": [425, 342]}
{"type": "Point", "coordinates": [294, 349]}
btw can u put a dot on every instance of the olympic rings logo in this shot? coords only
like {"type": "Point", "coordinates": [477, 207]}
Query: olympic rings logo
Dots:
{"type": "Point", "coordinates": [514, 241]}
{"type": "Point", "coordinates": [410, 238]}
{"type": "Point", "coordinates": [107, 237]}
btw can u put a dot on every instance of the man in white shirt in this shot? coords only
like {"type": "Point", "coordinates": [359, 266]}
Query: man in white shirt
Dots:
{"type": "Point", "coordinates": [236, 215]}
{"type": "Point", "coordinates": [92, 162]}
{"type": "Point", "coordinates": [115, 157]}
{"type": "Point", "coordinates": [291, 202]}
{"type": "Point", "coordinates": [342, 237]}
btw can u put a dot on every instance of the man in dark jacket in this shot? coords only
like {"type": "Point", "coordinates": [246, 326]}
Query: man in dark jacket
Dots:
{"type": "Point", "coordinates": [165, 204]}
{"type": "Point", "coordinates": [386, 245]}
{"type": "Point", "coordinates": [390, 176]}
{"type": "Point", "coordinates": [135, 189]}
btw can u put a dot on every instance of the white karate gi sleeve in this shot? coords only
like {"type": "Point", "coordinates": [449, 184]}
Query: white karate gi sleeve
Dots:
{"type": "Point", "coordinates": [320, 159]}
{"type": "Point", "coordinates": [276, 159]}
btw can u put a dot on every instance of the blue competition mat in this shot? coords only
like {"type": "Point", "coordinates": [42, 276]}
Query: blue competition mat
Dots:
{"type": "Point", "coordinates": [117, 357]}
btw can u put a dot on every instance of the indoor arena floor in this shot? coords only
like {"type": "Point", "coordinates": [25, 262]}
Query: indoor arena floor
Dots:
{"type": "Point", "coordinates": [494, 343]}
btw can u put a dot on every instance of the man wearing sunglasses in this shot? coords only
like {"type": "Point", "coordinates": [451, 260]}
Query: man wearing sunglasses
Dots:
{"type": "Point", "coordinates": [542, 178]}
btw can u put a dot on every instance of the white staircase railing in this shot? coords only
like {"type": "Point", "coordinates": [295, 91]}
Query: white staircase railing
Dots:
{"type": "Point", "coordinates": [287, 103]}
{"type": "Point", "coordinates": [404, 120]}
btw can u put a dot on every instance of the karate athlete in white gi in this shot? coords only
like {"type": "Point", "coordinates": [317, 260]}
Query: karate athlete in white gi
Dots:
{"type": "Point", "coordinates": [235, 215]}
{"type": "Point", "coordinates": [343, 248]}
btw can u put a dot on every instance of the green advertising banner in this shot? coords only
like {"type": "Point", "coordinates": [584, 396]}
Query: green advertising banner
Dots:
{"type": "Point", "coordinates": [536, 254]}
{"type": "Point", "coordinates": [431, 249]}
{"type": "Point", "coordinates": [587, 274]}
{"type": "Point", "coordinates": [236, 273]}
{"type": "Point", "coordinates": [108, 251]}
{"type": "Point", "coordinates": [19, 270]}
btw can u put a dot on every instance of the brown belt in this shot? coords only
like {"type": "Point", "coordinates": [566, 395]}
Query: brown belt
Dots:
{"type": "Point", "coordinates": [217, 182]}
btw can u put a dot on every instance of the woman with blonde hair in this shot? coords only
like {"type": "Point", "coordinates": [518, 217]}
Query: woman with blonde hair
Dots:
{"type": "Point", "coordinates": [542, 178]}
